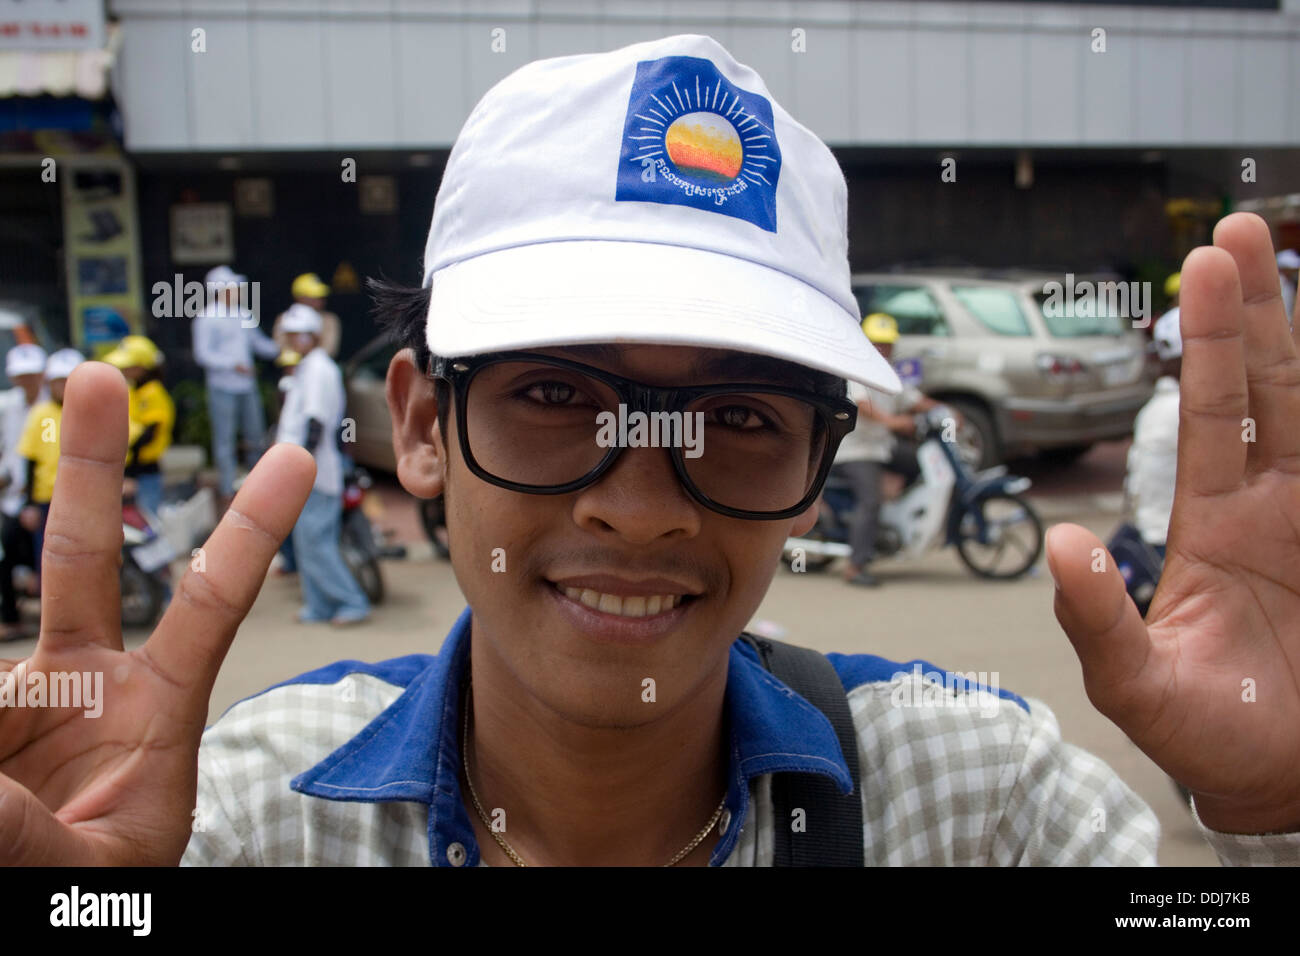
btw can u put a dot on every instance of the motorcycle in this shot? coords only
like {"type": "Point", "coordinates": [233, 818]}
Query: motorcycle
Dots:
{"type": "Point", "coordinates": [356, 537]}
{"type": "Point", "coordinates": [996, 532]}
{"type": "Point", "coordinates": [146, 567]}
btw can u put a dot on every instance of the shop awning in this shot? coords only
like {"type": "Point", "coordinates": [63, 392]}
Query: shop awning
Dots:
{"type": "Point", "coordinates": [79, 73]}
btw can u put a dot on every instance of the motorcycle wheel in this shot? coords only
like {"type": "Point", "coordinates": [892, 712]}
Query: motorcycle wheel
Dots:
{"type": "Point", "coordinates": [1013, 533]}
{"type": "Point", "coordinates": [142, 595]}
{"type": "Point", "coordinates": [359, 556]}
{"type": "Point", "coordinates": [434, 519]}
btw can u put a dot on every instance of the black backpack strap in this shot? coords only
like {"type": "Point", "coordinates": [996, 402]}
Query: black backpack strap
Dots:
{"type": "Point", "coordinates": [834, 831]}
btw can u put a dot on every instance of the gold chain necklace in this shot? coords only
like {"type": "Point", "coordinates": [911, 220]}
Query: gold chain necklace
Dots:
{"type": "Point", "coordinates": [508, 849]}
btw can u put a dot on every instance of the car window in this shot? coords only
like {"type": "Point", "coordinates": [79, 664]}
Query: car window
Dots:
{"type": "Point", "coordinates": [996, 308]}
{"type": "Point", "coordinates": [1106, 317]}
{"type": "Point", "coordinates": [912, 306]}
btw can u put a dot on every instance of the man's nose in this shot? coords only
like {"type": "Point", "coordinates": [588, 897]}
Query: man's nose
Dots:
{"type": "Point", "coordinates": [640, 498]}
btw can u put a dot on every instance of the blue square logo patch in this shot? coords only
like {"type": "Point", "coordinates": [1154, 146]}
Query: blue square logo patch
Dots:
{"type": "Point", "coordinates": [691, 138]}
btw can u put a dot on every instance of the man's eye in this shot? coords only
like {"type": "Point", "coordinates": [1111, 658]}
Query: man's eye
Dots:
{"type": "Point", "coordinates": [739, 416]}
{"type": "Point", "coordinates": [551, 393]}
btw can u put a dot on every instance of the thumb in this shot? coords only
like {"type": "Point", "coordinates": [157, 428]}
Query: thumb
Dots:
{"type": "Point", "coordinates": [1097, 615]}
{"type": "Point", "coordinates": [32, 836]}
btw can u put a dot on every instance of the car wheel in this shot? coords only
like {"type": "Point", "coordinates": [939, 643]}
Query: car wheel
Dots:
{"type": "Point", "coordinates": [977, 442]}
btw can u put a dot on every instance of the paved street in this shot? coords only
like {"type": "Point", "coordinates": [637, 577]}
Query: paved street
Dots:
{"type": "Point", "coordinates": [931, 609]}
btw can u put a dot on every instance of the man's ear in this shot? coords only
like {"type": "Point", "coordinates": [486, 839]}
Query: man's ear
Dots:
{"type": "Point", "coordinates": [417, 437]}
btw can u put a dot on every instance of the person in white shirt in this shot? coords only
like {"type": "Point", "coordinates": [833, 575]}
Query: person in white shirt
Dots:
{"type": "Point", "coordinates": [313, 410]}
{"type": "Point", "coordinates": [226, 338]}
{"type": "Point", "coordinates": [1153, 456]}
{"type": "Point", "coordinates": [25, 369]}
{"type": "Point", "coordinates": [1288, 270]}
{"type": "Point", "coordinates": [872, 447]}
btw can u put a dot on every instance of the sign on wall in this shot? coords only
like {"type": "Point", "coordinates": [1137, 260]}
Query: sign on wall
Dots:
{"type": "Point", "coordinates": [51, 24]}
{"type": "Point", "coordinates": [101, 249]}
{"type": "Point", "coordinates": [202, 234]}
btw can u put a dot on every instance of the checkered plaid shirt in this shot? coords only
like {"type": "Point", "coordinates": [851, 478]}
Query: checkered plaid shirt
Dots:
{"type": "Point", "coordinates": [356, 764]}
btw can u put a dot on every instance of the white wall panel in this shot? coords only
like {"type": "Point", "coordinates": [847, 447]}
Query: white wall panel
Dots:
{"type": "Point", "coordinates": [153, 73]}
{"type": "Point", "coordinates": [1264, 77]}
{"type": "Point", "coordinates": [1212, 66]}
{"type": "Point", "coordinates": [997, 92]}
{"type": "Point", "coordinates": [1107, 105]}
{"type": "Point", "coordinates": [884, 94]}
{"type": "Point", "coordinates": [289, 101]}
{"type": "Point", "coordinates": [1160, 89]}
{"type": "Point", "coordinates": [405, 73]}
{"type": "Point", "coordinates": [432, 81]}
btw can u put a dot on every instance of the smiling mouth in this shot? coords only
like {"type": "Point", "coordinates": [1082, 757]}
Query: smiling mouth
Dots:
{"type": "Point", "coordinates": [625, 605]}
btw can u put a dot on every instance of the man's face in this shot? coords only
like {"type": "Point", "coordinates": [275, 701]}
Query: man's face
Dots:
{"type": "Point", "coordinates": [634, 533]}
{"type": "Point", "coordinates": [302, 342]}
{"type": "Point", "coordinates": [30, 384]}
{"type": "Point", "coordinates": [317, 302]}
{"type": "Point", "coordinates": [57, 386]}
{"type": "Point", "coordinates": [886, 349]}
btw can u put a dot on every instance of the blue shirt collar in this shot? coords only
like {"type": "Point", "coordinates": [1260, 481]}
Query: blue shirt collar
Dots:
{"type": "Point", "coordinates": [411, 751]}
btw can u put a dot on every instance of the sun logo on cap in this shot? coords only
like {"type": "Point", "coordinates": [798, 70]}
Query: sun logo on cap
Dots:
{"type": "Point", "coordinates": [704, 146]}
{"type": "Point", "coordinates": [692, 138]}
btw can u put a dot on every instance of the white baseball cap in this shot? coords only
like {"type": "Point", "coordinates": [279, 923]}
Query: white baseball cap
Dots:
{"type": "Point", "coordinates": [300, 318]}
{"type": "Point", "coordinates": [223, 275]}
{"type": "Point", "coordinates": [652, 194]}
{"type": "Point", "coordinates": [61, 364]}
{"type": "Point", "coordinates": [1168, 335]}
{"type": "Point", "coordinates": [24, 359]}
{"type": "Point", "coordinates": [1288, 259]}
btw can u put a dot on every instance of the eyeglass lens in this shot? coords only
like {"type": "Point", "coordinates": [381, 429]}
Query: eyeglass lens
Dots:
{"type": "Point", "coordinates": [542, 425]}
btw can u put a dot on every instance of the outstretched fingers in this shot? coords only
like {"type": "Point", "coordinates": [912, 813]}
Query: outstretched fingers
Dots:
{"type": "Point", "coordinates": [1272, 369]}
{"type": "Point", "coordinates": [226, 574]}
{"type": "Point", "coordinates": [80, 591]}
{"type": "Point", "coordinates": [1213, 397]}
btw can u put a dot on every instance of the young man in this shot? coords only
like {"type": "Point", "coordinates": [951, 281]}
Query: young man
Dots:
{"type": "Point", "coordinates": [25, 369]}
{"type": "Point", "coordinates": [151, 413]}
{"type": "Point", "coordinates": [872, 448]}
{"type": "Point", "coordinates": [309, 290]}
{"type": "Point", "coordinates": [225, 339]}
{"type": "Point", "coordinates": [313, 411]}
{"type": "Point", "coordinates": [39, 445]}
{"type": "Point", "coordinates": [1153, 456]}
{"type": "Point", "coordinates": [592, 705]}
{"type": "Point", "coordinates": [1288, 272]}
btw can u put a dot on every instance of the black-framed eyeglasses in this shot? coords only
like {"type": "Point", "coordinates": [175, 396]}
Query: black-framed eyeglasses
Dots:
{"type": "Point", "coordinates": [544, 425]}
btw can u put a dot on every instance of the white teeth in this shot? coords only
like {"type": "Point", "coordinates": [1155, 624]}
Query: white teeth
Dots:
{"type": "Point", "coordinates": [631, 606]}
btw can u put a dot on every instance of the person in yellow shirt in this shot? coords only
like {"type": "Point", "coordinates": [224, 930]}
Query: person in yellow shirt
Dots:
{"type": "Point", "coordinates": [40, 446]}
{"type": "Point", "coordinates": [151, 414]}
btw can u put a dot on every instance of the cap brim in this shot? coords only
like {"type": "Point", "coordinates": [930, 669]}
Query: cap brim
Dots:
{"type": "Point", "coordinates": [582, 292]}
{"type": "Point", "coordinates": [117, 359]}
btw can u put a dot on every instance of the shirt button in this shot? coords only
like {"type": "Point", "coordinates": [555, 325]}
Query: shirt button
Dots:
{"type": "Point", "coordinates": [724, 821]}
{"type": "Point", "coordinates": [456, 854]}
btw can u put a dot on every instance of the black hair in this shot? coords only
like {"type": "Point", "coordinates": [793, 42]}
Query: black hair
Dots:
{"type": "Point", "coordinates": [403, 312]}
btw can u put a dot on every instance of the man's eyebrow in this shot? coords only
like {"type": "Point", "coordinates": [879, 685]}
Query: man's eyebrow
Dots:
{"type": "Point", "coordinates": [733, 366]}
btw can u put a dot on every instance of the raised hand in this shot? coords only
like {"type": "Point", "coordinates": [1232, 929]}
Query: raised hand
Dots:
{"type": "Point", "coordinates": [119, 788]}
{"type": "Point", "coordinates": [1209, 685]}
